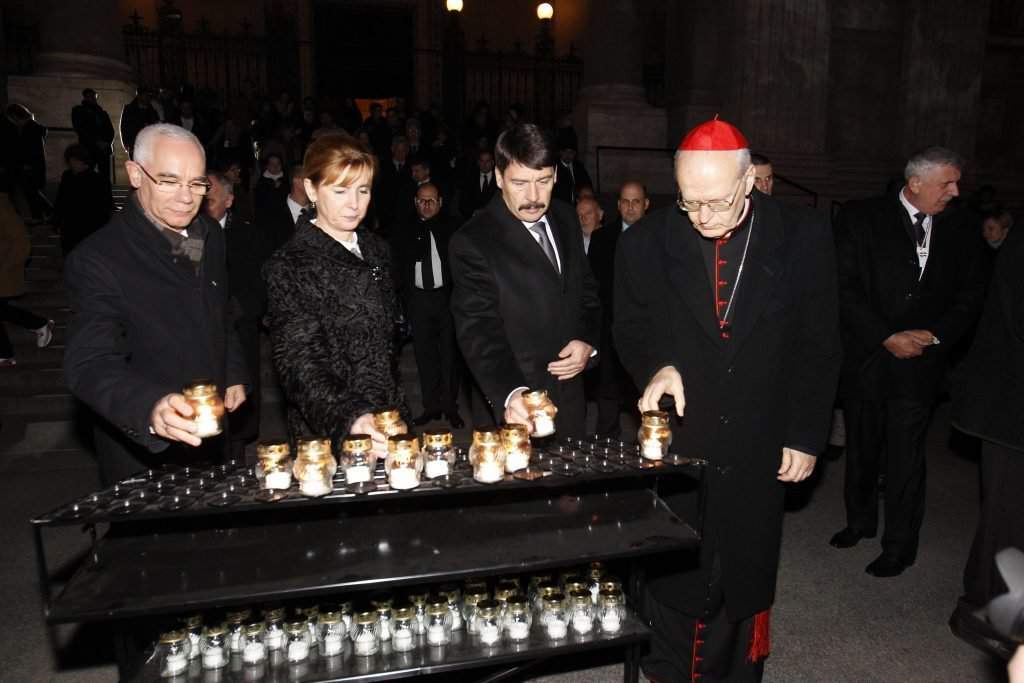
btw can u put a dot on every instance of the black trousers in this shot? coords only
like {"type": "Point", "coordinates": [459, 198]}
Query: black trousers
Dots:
{"type": "Point", "coordinates": [9, 313]}
{"type": "Point", "coordinates": [704, 649]}
{"type": "Point", "coordinates": [433, 342]}
{"type": "Point", "coordinates": [615, 388]}
{"type": "Point", "coordinates": [896, 427]}
{"type": "Point", "coordinates": [1000, 523]}
{"type": "Point", "coordinates": [245, 421]}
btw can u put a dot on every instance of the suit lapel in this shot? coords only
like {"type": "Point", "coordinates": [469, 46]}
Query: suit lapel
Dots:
{"type": "Point", "coordinates": [516, 236]}
{"type": "Point", "coordinates": [687, 274]}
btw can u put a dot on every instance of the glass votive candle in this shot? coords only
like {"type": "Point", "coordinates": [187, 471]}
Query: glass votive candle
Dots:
{"type": "Point", "coordinates": [172, 653]}
{"type": "Point", "coordinates": [582, 611]}
{"type": "Point", "coordinates": [419, 606]}
{"type": "Point", "coordinates": [207, 407]}
{"type": "Point", "coordinates": [358, 459]}
{"type": "Point", "coordinates": [390, 423]}
{"type": "Point", "coordinates": [193, 626]}
{"type": "Point", "coordinates": [273, 621]}
{"type": "Point", "coordinates": [553, 617]}
{"type": "Point", "coordinates": [542, 412]}
{"type": "Point", "coordinates": [611, 610]}
{"type": "Point", "coordinates": [403, 637]}
{"type": "Point", "coordinates": [235, 622]}
{"type": "Point", "coordinates": [274, 465]}
{"type": "Point", "coordinates": [439, 623]}
{"type": "Point", "coordinates": [655, 435]}
{"type": "Point", "coordinates": [254, 650]}
{"type": "Point", "coordinates": [331, 634]}
{"type": "Point", "coordinates": [575, 583]}
{"type": "Point", "coordinates": [382, 607]}
{"type": "Point", "coordinates": [314, 467]}
{"type": "Point", "coordinates": [488, 622]}
{"type": "Point", "coordinates": [404, 463]}
{"type": "Point", "coordinates": [365, 635]}
{"type": "Point", "coordinates": [518, 618]}
{"type": "Point", "coordinates": [297, 641]}
{"type": "Point", "coordinates": [534, 585]}
{"type": "Point", "coordinates": [545, 589]}
{"type": "Point", "coordinates": [470, 602]}
{"type": "Point", "coordinates": [515, 440]}
{"type": "Point", "coordinates": [487, 456]}
{"type": "Point", "coordinates": [438, 454]}
{"type": "Point", "coordinates": [610, 583]}
{"type": "Point", "coordinates": [312, 616]}
{"type": "Point", "coordinates": [453, 596]}
{"type": "Point", "coordinates": [215, 647]}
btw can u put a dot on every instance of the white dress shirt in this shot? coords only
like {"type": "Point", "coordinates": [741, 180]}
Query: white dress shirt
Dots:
{"type": "Point", "coordinates": [435, 266]}
{"type": "Point", "coordinates": [922, 250]}
{"type": "Point", "coordinates": [295, 208]}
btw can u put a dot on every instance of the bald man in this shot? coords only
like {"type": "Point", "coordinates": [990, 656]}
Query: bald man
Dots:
{"type": "Point", "coordinates": [727, 304]}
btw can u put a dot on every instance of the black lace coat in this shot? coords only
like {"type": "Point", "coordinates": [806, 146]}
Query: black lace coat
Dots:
{"type": "Point", "coordinates": [332, 321]}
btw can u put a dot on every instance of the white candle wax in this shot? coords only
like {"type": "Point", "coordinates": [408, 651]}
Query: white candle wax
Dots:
{"type": "Point", "coordinates": [402, 641]}
{"type": "Point", "coordinates": [333, 645]}
{"type": "Point", "coordinates": [314, 488]}
{"type": "Point", "coordinates": [516, 460]}
{"type": "Point", "coordinates": [278, 480]}
{"type": "Point", "coordinates": [193, 639]}
{"type": "Point", "coordinates": [254, 653]}
{"type": "Point", "coordinates": [274, 640]}
{"type": "Point", "coordinates": [297, 651]}
{"type": "Point", "coordinates": [206, 422]}
{"type": "Point", "coordinates": [174, 665]}
{"type": "Point", "coordinates": [488, 472]}
{"type": "Point", "coordinates": [543, 425]}
{"type": "Point", "coordinates": [235, 640]}
{"type": "Point", "coordinates": [404, 478]}
{"type": "Point", "coordinates": [435, 635]}
{"type": "Point", "coordinates": [489, 634]}
{"type": "Point", "coordinates": [365, 644]}
{"type": "Point", "coordinates": [556, 629]}
{"type": "Point", "coordinates": [610, 623]}
{"type": "Point", "coordinates": [582, 622]}
{"type": "Point", "coordinates": [213, 658]}
{"type": "Point", "coordinates": [518, 630]}
{"type": "Point", "coordinates": [357, 474]}
{"type": "Point", "coordinates": [436, 468]}
{"type": "Point", "coordinates": [652, 449]}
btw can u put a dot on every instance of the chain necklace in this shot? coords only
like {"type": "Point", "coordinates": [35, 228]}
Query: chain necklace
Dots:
{"type": "Point", "coordinates": [723, 322]}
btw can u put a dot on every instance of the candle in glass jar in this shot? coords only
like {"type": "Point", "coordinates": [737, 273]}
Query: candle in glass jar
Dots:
{"type": "Point", "coordinates": [542, 412]}
{"type": "Point", "coordinates": [556, 629]}
{"type": "Point", "coordinates": [518, 630]}
{"type": "Point", "coordinates": [403, 463]}
{"type": "Point", "coordinates": [365, 643]}
{"type": "Point", "coordinates": [254, 653]}
{"type": "Point", "coordinates": [333, 644]}
{"type": "Point", "coordinates": [515, 439]}
{"type": "Point", "coordinates": [207, 408]}
{"type": "Point", "coordinates": [436, 468]}
{"type": "Point", "coordinates": [655, 435]}
{"type": "Point", "coordinates": [436, 635]}
{"type": "Point", "coordinates": [438, 454]}
{"type": "Point", "coordinates": [489, 634]}
{"type": "Point", "coordinates": [582, 621]}
{"type": "Point", "coordinates": [273, 464]}
{"type": "Point", "coordinates": [390, 423]}
{"type": "Point", "coordinates": [610, 622]}
{"type": "Point", "coordinates": [214, 658]}
{"type": "Point", "coordinates": [315, 466]}
{"type": "Point", "coordinates": [298, 651]}
{"type": "Point", "coordinates": [278, 480]}
{"type": "Point", "coordinates": [174, 664]}
{"type": "Point", "coordinates": [314, 488]}
{"type": "Point", "coordinates": [488, 472]}
{"type": "Point", "coordinates": [357, 474]}
{"type": "Point", "coordinates": [174, 652]}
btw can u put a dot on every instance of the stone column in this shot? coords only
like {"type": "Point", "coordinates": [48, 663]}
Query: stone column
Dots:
{"type": "Point", "coordinates": [81, 46]}
{"type": "Point", "coordinates": [612, 109]}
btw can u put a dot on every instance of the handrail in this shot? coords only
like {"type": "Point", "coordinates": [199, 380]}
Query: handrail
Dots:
{"type": "Point", "coordinates": [671, 151]}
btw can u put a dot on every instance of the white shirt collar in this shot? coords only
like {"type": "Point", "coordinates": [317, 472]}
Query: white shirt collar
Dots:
{"type": "Point", "coordinates": [295, 208]}
{"type": "Point", "coordinates": [912, 210]}
{"type": "Point", "coordinates": [223, 221]}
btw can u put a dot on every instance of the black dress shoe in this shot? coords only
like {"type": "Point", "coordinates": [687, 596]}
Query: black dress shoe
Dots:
{"type": "Point", "coordinates": [454, 420]}
{"type": "Point", "coordinates": [426, 418]}
{"type": "Point", "coordinates": [847, 538]}
{"type": "Point", "coordinates": [972, 629]}
{"type": "Point", "coordinates": [886, 566]}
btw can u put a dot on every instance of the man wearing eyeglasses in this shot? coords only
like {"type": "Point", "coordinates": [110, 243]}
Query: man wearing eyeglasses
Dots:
{"type": "Point", "coordinates": [727, 305]}
{"type": "Point", "coordinates": [149, 300]}
{"type": "Point", "coordinates": [424, 282]}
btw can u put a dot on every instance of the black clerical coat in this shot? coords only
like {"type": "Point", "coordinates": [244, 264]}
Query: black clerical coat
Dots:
{"type": "Point", "coordinates": [514, 312]}
{"type": "Point", "coordinates": [882, 292]}
{"type": "Point", "coordinates": [144, 324]}
{"type": "Point", "coordinates": [770, 385]}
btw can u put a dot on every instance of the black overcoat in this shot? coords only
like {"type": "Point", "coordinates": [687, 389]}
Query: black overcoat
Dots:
{"type": "Point", "coordinates": [770, 386]}
{"type": "Point", "coordinates": [332, 328]}
{"type": "Point", "coordinates": [514, 312]}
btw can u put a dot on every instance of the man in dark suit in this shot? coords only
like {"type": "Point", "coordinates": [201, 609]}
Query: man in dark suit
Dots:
{"type": "Point", "coordinates": [756, 349]}
{"type": "Point", "coordinates": [135, 116]}
{"type": "Point", "coordinates": [525, 304]}
{"type": "Point", "coordinates": [395, 188]}
{"type": "Point", "coordinates": [277, 222]}
{"type": "Point", "coordinates": [95, 131]}
{"type": "Point", "coordinates": [149, 301]}
{"type": "Point", "coordinates": [571, 173]}
{"type": "Point", "coordinates": [423, 280]}
{"type": "Point", "coordinates": [478, 186]}
{"type": "Point", "coordinates": [911, 287]}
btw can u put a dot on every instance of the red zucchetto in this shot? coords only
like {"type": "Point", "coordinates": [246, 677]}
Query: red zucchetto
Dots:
{"type": "Point", "coordinates": [714, 136]}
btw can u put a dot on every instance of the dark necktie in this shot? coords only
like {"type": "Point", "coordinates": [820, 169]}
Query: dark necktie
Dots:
{"type": "Point", "coordinates": [539, 230]}
{"type": "Point", "coordinates": [919, 228]}
{"type": "Point", "coordinates": [427, 262]}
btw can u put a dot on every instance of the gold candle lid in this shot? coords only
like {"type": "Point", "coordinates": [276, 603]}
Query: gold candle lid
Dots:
{"type": "Point", "coordinates": [330, 617]}
{"type": "Point", "coordinates": [501, 594]}
{"type": "Point", "coordinates": [577, 585]}
{"type": "Point", "coordinates": [474, 597]}
{"type": "Point", "coordinates": [357, 443]}
{"type": "Point", "coordinates": [552, 600]}
{"type": "Point", "coordinates": [437, 439]}
{"type": "Point", "coordinates": [313, 447]}
{"type": "Point", "coordinates": [273, 450]}
{"type": "Point", "coordinates": [437, 609]}
{"type": "Point", "coordinates": [403, 442]}
{"type": "Point", "coordinates": [546, 588]}
{"type": "Point", "coordinates": [366, 618]}
{"type": "Point", "coordinates": [254, 628]}
{"type": "Point", "coordinates": [214, 630]}
{"type": "Point", "coordinates": [580, 597]}
{"type": "Point", "coordinates": [486, 435]}
{"type": "Point", "coordinates": [296, 627]}
{"type": "Point", "coordinates": [200, 388]}
{"type": "Point", "coordinates": [610, 583]}
{"type": "Point", "coordinates": [655, 418]}
{"type": "Point", "coordinates": [172, 637]}
{"type": "Point", "coordinates": [518, 602]}
{"type": "Point", "coordinates": [535, 397]}
{"type": "Point", "coordinates": [405, 612]}
{"type": "Point", "coordinates": [610, 597]}
{"type": "Point", "coordinates": [387, 416]}
{"type": "Point", "coordinates": [487, 608]}
{"type": "Point", "coordinates": [514, 429]}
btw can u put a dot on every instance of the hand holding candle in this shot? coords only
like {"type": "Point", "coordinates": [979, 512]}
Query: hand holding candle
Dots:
{"type": "Point", "coordinates": [366, 424]}
{"type": "Point", "coordinates": [171, 418]}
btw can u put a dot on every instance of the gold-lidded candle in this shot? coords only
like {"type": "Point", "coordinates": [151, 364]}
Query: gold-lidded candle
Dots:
{"type": "Point", "coordinates": [655, 435]}
{"type": "Point", "coordinates": [487, 456]}
{"type": "Point", "coordinates": [274, 464]}
{"type": "Point", "coordinates": [438, 454]}
{"type": "Point", "coordinates": [404, 462]}
{"type": "Point", "coordinates": [314, 466]}
{"type": "Point", "coordinates": [542, 412]}
{"type": "Point", "coordinates": [515, 440]}
{"type": "Point", "coordinates": [207, 407]}
{"type": "Point", "coordinates": [358, 459]}
{"type": "Point", "coordinates": [389, 422]}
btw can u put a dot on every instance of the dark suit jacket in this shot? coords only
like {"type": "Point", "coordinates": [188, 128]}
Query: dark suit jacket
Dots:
{"type": "Point", "coordinates": [143, 324]}
{"type": "Point", "coordinates": [880, 294]}
{"type": "Point", "coordinates": [392, 200]}
{"type": "Point", "coordinates": [770, 386]}
{"type": "Point", "coordinates": [93, 126]}
{"type": "Point", "coordinates": [988, 387]}
{"type": "Point", "coordinates": [603, 244]}
{"type": "Point", "coordinates": [514, 312]}
{"type": "Point", "coordinates": [471, 197]}
{"type": "Point", "coordinates": [409, 245]}
{"type": "Point", "coordinates": [566, 183]}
